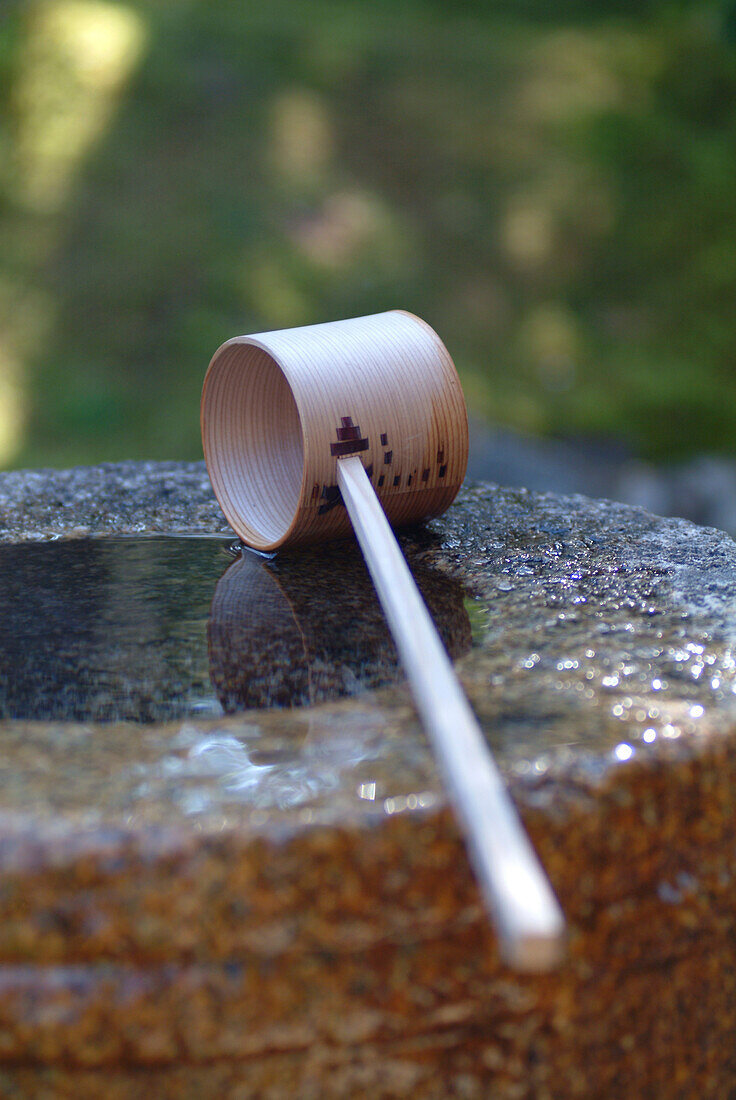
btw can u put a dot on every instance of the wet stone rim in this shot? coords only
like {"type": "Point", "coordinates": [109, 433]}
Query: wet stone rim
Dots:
{"type": "Point", "coordinates": [650, 665]}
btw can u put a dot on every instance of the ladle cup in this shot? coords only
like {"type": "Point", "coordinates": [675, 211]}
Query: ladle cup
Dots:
{"type": "Point", "coordinates": [363, 421]}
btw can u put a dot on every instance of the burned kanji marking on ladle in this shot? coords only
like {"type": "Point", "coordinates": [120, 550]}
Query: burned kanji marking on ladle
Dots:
{"type": "Point", "coordinates": [349, 441]}
{"type": "Point", "coordinates": [331, 496]}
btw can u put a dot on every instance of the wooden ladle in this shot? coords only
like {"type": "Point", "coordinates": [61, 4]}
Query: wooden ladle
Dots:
{"type": "Point", "coordinates": [309, 430]}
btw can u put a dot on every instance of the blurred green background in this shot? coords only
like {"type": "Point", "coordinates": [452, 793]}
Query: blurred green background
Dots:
{"type": "Point", "coordinates": [553, 187]}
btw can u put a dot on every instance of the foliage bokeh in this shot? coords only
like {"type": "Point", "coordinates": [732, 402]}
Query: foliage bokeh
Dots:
{"type": "Point", "coordinates": [551, 187]}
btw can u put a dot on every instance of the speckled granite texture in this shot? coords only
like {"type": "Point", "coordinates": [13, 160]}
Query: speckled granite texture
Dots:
{"type": "Point", "coordinates": [278, 903]}
{"type": "Point", "coordinates": [127, 498]}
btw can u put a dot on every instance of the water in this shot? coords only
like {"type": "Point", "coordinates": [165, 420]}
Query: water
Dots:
{"type": "Point", "coordinates": [151, 629]}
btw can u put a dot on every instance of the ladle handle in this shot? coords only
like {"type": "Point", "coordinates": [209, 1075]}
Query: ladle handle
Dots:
{"type": "Point", "coordinates": [527, 915]}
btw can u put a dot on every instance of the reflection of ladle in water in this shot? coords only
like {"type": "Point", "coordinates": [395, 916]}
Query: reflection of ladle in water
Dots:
{"type": "Point", "coordinates": [257, 652]}
{"type": "Point", "coordinates": [312, 630]}
{"type": "Point", "coordinates": [307, 431]}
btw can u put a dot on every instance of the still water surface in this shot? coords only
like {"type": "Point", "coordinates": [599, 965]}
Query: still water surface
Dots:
{"type": "Point", "coordinates": [150, 629]}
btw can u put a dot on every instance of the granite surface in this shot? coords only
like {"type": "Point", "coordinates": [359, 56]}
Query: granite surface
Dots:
{"type": "Point", "coordinates": [126, 498]}
{"type": "Point", "coordinates": [277, 902]}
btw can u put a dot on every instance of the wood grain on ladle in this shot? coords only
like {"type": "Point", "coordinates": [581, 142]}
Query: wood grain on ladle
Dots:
{"type": "Point", "coordinates": [363, 421]}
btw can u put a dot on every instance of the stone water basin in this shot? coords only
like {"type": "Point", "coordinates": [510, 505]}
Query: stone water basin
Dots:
{"type": "Point", "coordinates": [276, 901]}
